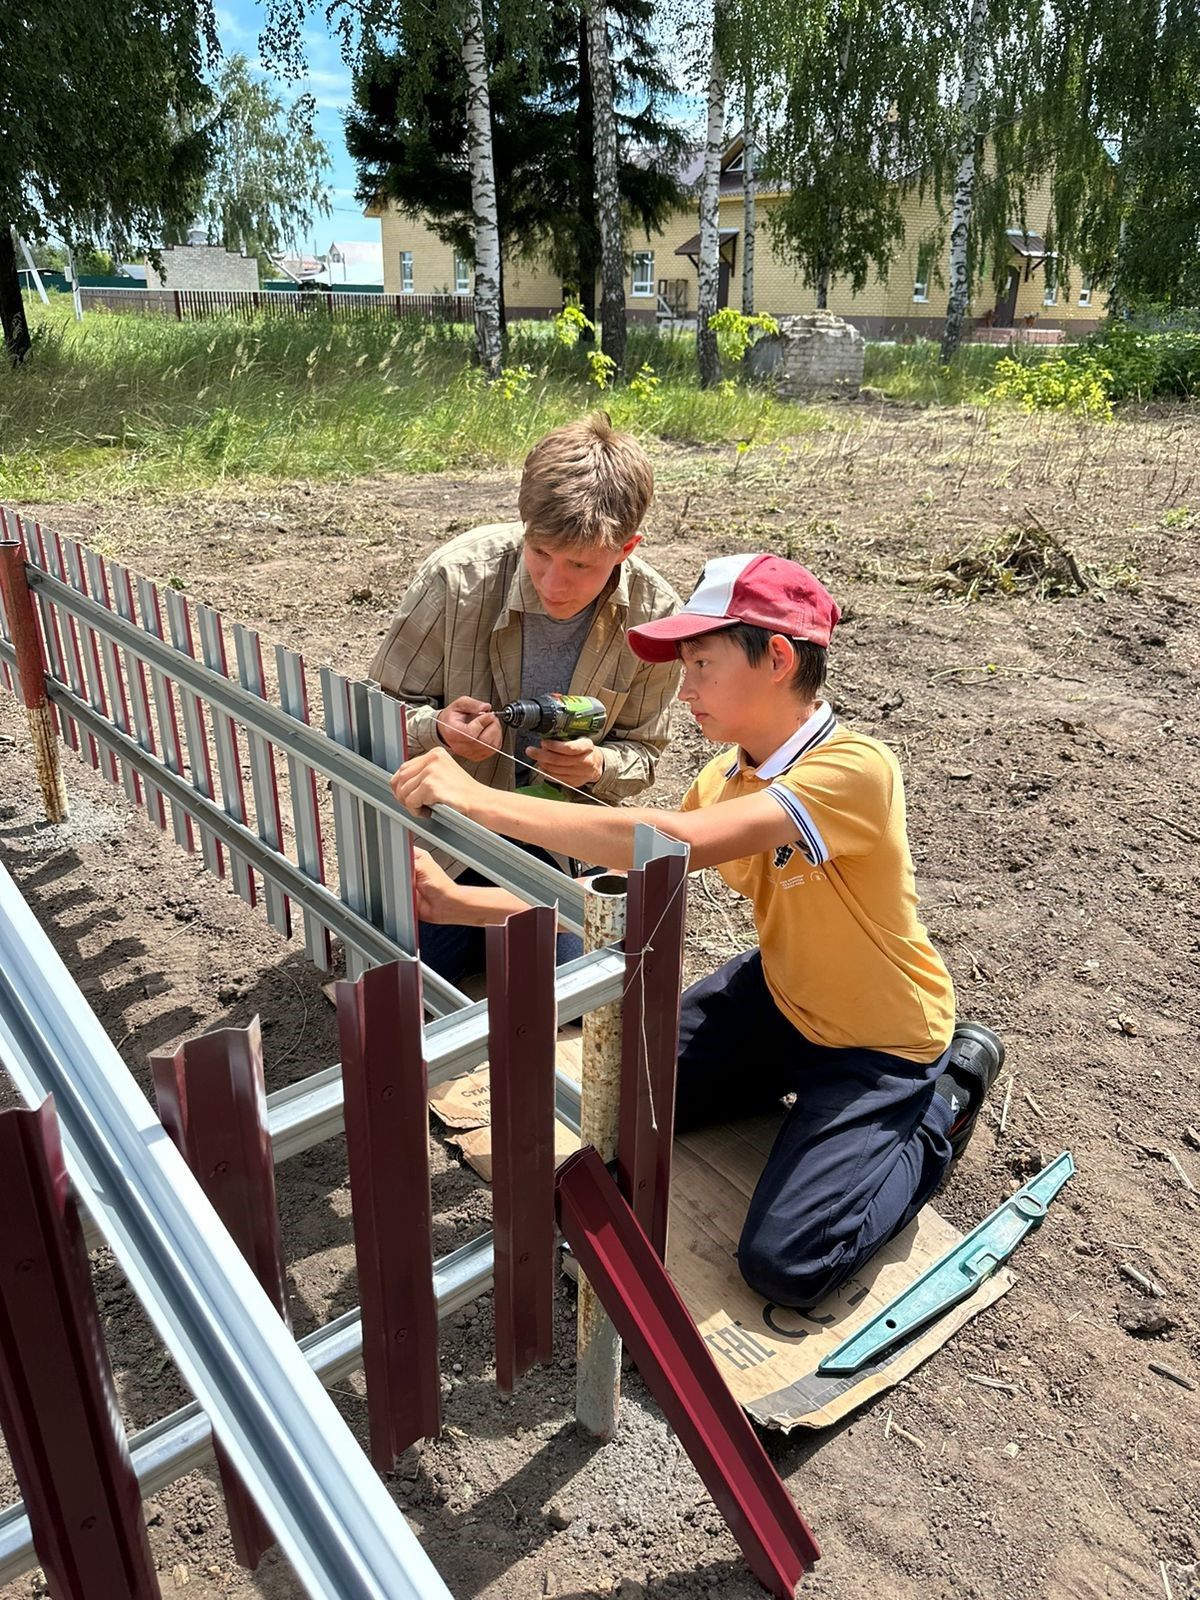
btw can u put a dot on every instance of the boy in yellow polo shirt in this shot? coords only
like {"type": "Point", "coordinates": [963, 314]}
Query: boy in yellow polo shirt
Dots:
{"type": "Point", "coordinates": [845, 1004]}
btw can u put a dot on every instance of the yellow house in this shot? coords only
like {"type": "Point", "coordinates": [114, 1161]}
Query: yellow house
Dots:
{"type": "Point", "coordinates": [908, 302]}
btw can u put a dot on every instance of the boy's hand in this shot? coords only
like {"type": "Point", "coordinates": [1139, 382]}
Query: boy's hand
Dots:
{"type": "Point", "coordinates": [435, 779]}
{"type": "Point", "coordinates": [574, 761]}
{"type": "Point", "coordinates": [470, 729]}
{"type": "Point", "coordinates": [437, 892]}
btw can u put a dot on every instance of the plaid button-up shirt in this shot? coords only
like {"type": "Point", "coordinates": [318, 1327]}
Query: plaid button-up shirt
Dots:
{"type": "Point", "coordinates": [458, 631]}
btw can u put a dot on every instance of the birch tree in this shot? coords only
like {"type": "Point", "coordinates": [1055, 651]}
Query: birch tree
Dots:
{"type": "Point", "coordinates": [417, 27]}
{"type": "Point", "coordinates": [268, 178]}
{"type": "Point", "coordinates": [749, 191]}
{"type": "Point", "coordinates": [1121, 109]}
{"type": "Point", "coordinates": [104, 113]}
{"type": "Point", "coordinates": [483, 193]}
{"type": "Point", "coordinates": [608, 197]}
{"type": "Point", "coordinates": [709, 270]}
{"type": "Point", "coordinates": [966, 147]}
{"type": "Point", "coordinates": [857, 112]}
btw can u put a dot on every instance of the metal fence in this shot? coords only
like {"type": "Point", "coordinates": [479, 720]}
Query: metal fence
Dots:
{"type": "Point", "coordinates": [246, 304]}
{"type": "Point", "coordinates": [223, 755]}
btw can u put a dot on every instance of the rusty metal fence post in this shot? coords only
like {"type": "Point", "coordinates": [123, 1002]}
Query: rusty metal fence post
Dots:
{"type": "Point", "coordinates": [598, 1346]}
{"type": "Point", "coordinates": [386, 1087]}
{"type": "Point", "coordinates": [522, 1040]}
{"type": "Point", "coordinates": [30, 655]}
{"type": "Point", "coordinates": [58, 1406]}
{"type": "Point", "coordinates": [212, 1100]}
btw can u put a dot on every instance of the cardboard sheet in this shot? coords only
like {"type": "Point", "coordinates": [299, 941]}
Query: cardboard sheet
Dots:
{"type": "Point", "coordinates": [768, 1355]}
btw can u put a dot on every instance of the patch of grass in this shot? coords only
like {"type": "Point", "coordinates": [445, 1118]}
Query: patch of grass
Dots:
{"type": "Point", "coordinates": [913, 371]}
{"type": "Point", "coordinates": [127, 402]}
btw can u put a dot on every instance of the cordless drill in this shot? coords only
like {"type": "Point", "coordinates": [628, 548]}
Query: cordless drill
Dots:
{"type": "Point", "coordinates": [556, 716]}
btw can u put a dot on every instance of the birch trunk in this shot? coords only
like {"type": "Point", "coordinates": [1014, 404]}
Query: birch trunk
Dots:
{"type": "Point", "coordinates": [964, 179]}
{"type": "Point", "coordinates": [608, 197]}
{"type": "Point", "coordinates": [707, 355]}
{"type": "Point", "coordinates": [749, 195]}
{"type": "Point", "coordinates": [483, 193]}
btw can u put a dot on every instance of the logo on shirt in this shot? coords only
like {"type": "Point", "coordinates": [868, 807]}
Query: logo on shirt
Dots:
{"type": "Point", "coordinates": [784, 854]}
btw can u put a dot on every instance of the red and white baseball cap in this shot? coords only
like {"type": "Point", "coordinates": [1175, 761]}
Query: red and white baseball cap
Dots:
{"type": "Point", "coordinates": [765, 591]}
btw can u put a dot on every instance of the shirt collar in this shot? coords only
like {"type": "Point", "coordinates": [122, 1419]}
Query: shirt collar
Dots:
{"type": "Point", "coordinates": [815, 731]}
{"type": "Point", "coordinates": [522, 596]}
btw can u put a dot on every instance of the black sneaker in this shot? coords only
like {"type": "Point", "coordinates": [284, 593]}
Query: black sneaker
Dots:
{"type": "Point", "coordinates": [976, 1056]}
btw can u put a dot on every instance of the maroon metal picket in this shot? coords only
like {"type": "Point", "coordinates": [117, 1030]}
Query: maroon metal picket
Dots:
{"type": "Point", "coordinates": [673, 1359]}
{"type": "Point", "coordinates": [212, 1100]}
{"type": "Point", "coordinates": [58, 1406]}
{"type": "Point", "coordinates": [386, 1091]}
{"type": "Point", "coordinates": [522, 1035]}
{"type": "Point", "coordinates": [654, 928]}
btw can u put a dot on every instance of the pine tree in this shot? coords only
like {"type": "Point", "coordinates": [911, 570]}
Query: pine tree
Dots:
{"type": "Point", "coordinates": [407, 134]}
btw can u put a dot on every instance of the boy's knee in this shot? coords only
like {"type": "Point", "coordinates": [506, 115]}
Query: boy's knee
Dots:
{"type": "Point", "coordinates": [784, 1278]}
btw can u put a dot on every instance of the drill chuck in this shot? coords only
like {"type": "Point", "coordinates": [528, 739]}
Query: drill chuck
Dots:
{"type": "Point", "coordinates": [556, 716]}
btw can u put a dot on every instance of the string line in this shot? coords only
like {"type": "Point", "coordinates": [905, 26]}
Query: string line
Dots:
{"type": "Point", "coordinates": [639, 975]}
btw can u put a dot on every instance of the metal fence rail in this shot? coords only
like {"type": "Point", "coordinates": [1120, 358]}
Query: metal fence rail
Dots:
{"type": "Point", "coordinates": [142, 687]}
{"type": "Point", "coordinates": [334, 1519]}
{"type": "Point", "coordinates": [182, 1442]}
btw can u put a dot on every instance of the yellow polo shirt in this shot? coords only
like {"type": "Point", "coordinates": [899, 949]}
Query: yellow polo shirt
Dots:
{"type": "Point", "coordinates": [844, 952]}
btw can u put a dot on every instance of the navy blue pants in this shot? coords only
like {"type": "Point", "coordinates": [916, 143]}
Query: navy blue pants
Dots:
{"type": "Point", "coordinates": [455, 953]}
{"type": "Point", "coordinates": [858, 1155]}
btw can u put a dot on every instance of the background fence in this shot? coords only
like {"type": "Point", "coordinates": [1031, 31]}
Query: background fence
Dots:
{"type": "Point", "coordinates": [246, 304]}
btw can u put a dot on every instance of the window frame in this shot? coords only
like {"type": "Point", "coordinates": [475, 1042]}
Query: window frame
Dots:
{"type": "Point", "coordinates": [406, 261]}
{"type": "Point", "coordinates": [648, 283]}
{"type": "Point", "coordinates": [1049, 287]}
{"type": "Point", "coordinates": [1085, 290]}
{"type": "Point", "coordinates": [920, 292]}
{"type": "Point", "coordinates": [462, 280]}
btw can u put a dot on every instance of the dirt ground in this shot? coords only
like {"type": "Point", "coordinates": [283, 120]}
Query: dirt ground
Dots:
{"type": "Point", "coordinates": [1052, 757]}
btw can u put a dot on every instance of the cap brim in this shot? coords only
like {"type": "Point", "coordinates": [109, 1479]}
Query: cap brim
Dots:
{"type": "Point", "coordinates": [659, 641]}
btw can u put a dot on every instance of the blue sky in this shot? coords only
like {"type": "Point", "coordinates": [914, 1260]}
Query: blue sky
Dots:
{"type": "Point", "coordinates": [328, 81]}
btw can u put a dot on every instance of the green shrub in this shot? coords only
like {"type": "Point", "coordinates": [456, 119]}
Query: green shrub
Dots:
{"type": "Point", "coordinates": [1074, 382]}
{"type": "Point", "coordinates": [1145, 366]}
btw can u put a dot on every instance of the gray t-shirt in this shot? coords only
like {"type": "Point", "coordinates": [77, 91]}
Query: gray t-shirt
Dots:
{"type": "Point", "coordinates": [549, 653]}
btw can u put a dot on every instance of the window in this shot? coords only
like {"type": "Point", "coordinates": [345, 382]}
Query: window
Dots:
{"type": "Point", "coordinates": [926, 252]}
{"type": "Point", "coordinates": [643, 272]}
{"type": "Point", "coordinates": [1050, 296]}
{"type": "Point", "coordinates": [462, 275]}
{"type": "Point", "coordinates": [406, 273]}
{"type": "Point", "coordinates": [1085, 290]}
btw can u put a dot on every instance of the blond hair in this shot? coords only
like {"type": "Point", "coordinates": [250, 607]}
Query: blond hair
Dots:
{"type": "Point", "coordinates": [586, 484]}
